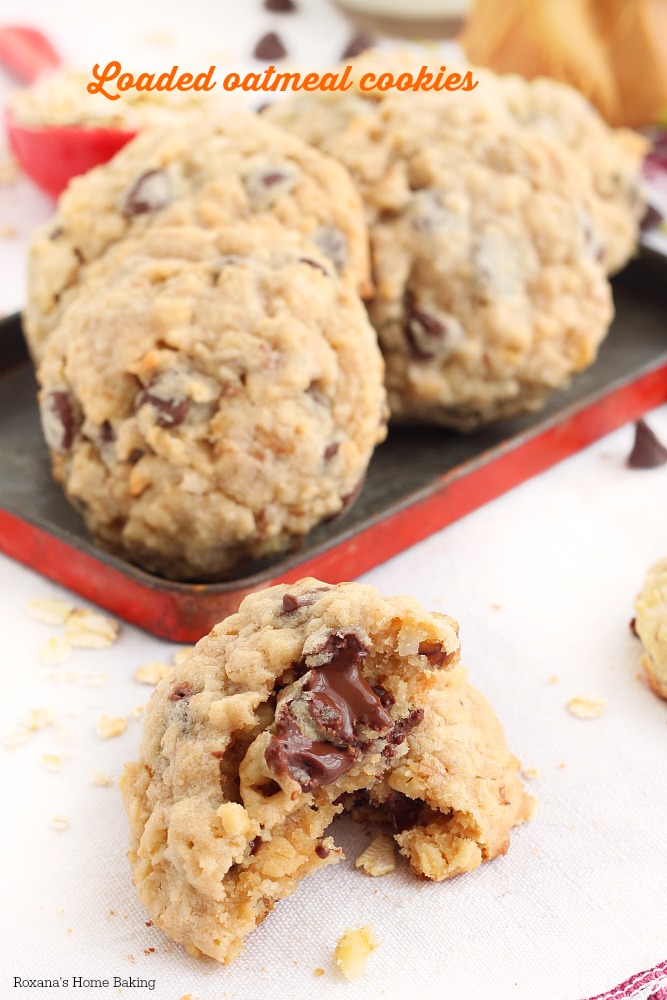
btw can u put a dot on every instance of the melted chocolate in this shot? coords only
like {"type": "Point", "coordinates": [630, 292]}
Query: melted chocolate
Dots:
{"type": "Point", "coordinates": [310, 763]}
{"type": "Point", "coordinates": [340, 696]}
{"type": "Point", "coordinates": [434, 653]}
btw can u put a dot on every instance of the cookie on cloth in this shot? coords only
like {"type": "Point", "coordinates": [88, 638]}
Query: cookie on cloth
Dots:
{"type": "Point", "coordinates": [651, 626]}
{"type": "Point", "coordinates": [211, 397]}
{"type": "Point", "coordinates": [204, 172]}
{"type": "Point", "coordinates": [309, 698]}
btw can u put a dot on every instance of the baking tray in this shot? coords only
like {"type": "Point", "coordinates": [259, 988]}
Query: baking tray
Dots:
{"type": "Point", "coordinates": [419, 480]}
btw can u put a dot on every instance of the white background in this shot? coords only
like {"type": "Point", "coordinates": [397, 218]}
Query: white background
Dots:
{"type": "Point", "coordinates": [543, 582]}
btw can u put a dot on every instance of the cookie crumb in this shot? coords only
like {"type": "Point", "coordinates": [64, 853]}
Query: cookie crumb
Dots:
{"type": "Point", "coordinates": [530, 773]}
{"type": "Point", "coordinates": [152, 673]}
{"type": "Point", "coordinates": [52, 761]}
{"type": "Point", "coordinates": [16, 738]}
{"type": "Point", "coordinates": [585, 707]}
{"type": "Point", "coordinates": [136, 713]}
{"type": "Point", "coordinates": [319, 972]}
{"type": "Point", "coordinates": [50, 610]}
{"type": "Point", "coordinates": [181, 655]}
{"type": "Point", "coordinates": [101, 781]}
{"type": "Point", "coordinates": [60, 823]}
{"type": "Point", "coordinates": [378, 858]}
{"type": "Point", "coordinates": [353, 949]}
{"type": "Point", "coordinates": [54, 651]}
{"type": "Point", "coordinates": [553, 679]}
{"type": "Point", "coordinates": [111, 725]}
{"type": "Point", "coordinates": [91, 630]}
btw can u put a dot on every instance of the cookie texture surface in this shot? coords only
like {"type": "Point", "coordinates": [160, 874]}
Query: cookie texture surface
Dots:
{"type": "Point", "coordinates": [489, 291]}
{"type": "Point", "coordinates": [651, 626]}
{"type": "Point", "coordinates": [205, 173]}
{"type": "Point", "coordinates": [211, 396]}
{"type": "Point", "coordinates": [311, 699]}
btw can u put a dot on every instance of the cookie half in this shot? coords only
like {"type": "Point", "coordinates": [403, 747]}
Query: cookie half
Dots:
{"type": "Point", "coordinates": [311, 699]}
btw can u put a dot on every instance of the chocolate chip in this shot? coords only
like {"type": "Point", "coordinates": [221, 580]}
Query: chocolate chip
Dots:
{"type": "Point", "coordinates": [254, 845]}
{"type": "Point", "coordinates": [290, 603]}
{"type": "Point", "coordinates": [403, 811]}
{"type": "Point", "coordinates": [181, 691]}
{"type": "Point", "coordinates": [269, 46]}
{"type": "Point", "coordinates": [652, 219]}
{"type": "Point", "coordinates": [358, 44]}
{"type": "Point", "coordinates": [331, 450]}
{"type": "Point", "coordinates": [425, 334]}
{"type": "Point", "coordinates": [648, 452]}
{"type": "Point", "coordinates": [322, 851]}
{"type": "Point", "coordinates": [349, 498]}
{"type": "Point", "coordinates": [169, 412]}
{"type": "Point", "coordinates": [434, 653]}
{"type": "Point", "coordinates": [339, 696]}
{"type": "Point", "coordinates": [60, 420]}
{"type": "Point", "coordinates": [333, 245]}
{"type": "Point", "coordinates": [316, 394]}
{"type": "Point", "coordinates": [386, 699]}
{"type": "Point", "coordinates": [280, 6]}
{"type": "Point", "coordinates": [106, 432]}
{"type": "Point", "coordinates": [311, 763]}
{"type": "Point", "coordinates": [405, 726]}
{"type": "Point", "coordinates": [273, 177]}
{"type": "Point", "coordinates": [149, 923]}
{"type": "Point", "coordinates": [135, 455]}
{"type": "Point", "coordinates": [633, 627]}
{"type": "Point", "coordinates": [149, 193]}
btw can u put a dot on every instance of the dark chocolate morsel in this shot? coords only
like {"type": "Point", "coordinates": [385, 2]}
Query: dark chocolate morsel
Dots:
{"type": "Point", "coordinates": [254, 845]}
{"type": "Point", "coordinates": [290, 603]}
{"type": "Point", "coordinates": [181, 691]}
{"type": "Point", "coordinates": [405, 726]}
{"type": "Point", "coordinates": [280, 6]}
{"type": "Point", "coordinates": [169, 412]}
{"type": "Point", "coordinates": [106, 432]}
{"type": "Point", "coordinates": [633, 627]}
{"type": "Point", "coordinates": [322, 851]}
{"type": "Point", "coordinates": [648, 452]}
{"type": "Point", "coordinates": [269, 46]}
{"type": "Point", "coordinates": [60, 420]}
{"type": "Point", "coordinates": [331, 450]}
{"type": "Point", "coordinates": [402, 811]}
{"type": "Point", "coordinates": [149, 193]}
{"type": "Point", "coordinates": [434, 653]}
{"type": "Point", "coordinates": [358, 44]}
{"type": "Point", "coordinates": [425, 334]}
{"type": "Point", "coordinates": [349, 498]}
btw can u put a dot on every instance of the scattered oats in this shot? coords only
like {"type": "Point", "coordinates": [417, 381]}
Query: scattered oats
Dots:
{"type": "Point", "coordinates": [353, 949]}
{"type": "Point", "coordinates": [136, 713]}
{"type": "Point", "coordinates": [152, 673]}
{"type": "Point", "coordinates": [50, 610]}
{"type": "Point", "coordinates": [111, 725]}
{"type": "Point", "coordinates": [9, 172]}
{"type": "Point", "coordinates": [91, 630]}
{"type": "Point", "coordinates": [101, 781]}
{"type": "Point", "coordinates": [17, 738]}
{"type": "Point", "coordinates": [52, 761]}
{"type": "Point", "coordinates": [54, 651]}
{"type": "Point", "coordinates": [319, 972]}
{"type": "Point", "coordinates": [586, 708]}
{"type": "Point", "coordinates": [553, 679]}
{"type": "Point", "coordinates": [8, 232]}
{"type": "Point", "coordinates": [562, 766]}
{"type": "Point", "coordinates": [38, 718]}
{"type": "Point", "coordinates": [182, 654]}
{"type": "Point", "coordinates": [60, 823]}
{"type": "Point", "coordinates": [530, 773]}
{"type": "Point", "coordinates": [378, 858]}
{"type": "Point", "coordinates": [69, 930]}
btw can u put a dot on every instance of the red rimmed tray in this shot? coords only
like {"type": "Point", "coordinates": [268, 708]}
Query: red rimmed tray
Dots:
{"type": "Point", "coordinates": [420, 480]}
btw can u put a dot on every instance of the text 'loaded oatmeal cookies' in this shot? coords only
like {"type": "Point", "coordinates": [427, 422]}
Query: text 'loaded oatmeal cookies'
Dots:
{"type": "Point", "coordinates": [204, 173]}
{"type": "Point", "coordinates": [310, 700]}
{"type": "Point", "coordinates": [651, 626]}
{"type": "Point", "coordinates": [209, 398]}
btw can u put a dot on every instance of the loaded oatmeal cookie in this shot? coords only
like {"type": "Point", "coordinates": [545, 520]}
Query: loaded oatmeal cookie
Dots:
{"type": "Point", "coordinates": [651, 626]}
{"type": "Point", "coordinates": [309, 699]}
{"type": "Point", "coordinates": [489, 288]}
{"type": "Point", "coordinates": [202, 173]}
{"type": "Point", "coordinates": [612, 158]}
{"type": "Point", "coordinates": [210, 397]}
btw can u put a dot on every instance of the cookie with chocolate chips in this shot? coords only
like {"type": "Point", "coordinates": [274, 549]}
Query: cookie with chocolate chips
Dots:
{"type": "Point", "coordinates": [210, 397]}
{"type": "Point", "coordinates": [203, 172]}
{"type": "Point", "coordinates": [311, 699]}
{"type": "Point", "coordinates": [651, 626]}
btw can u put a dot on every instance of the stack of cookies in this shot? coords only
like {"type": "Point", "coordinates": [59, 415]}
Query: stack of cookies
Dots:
{"type": "Point", "coordinates": [211, 387]}
{"type": "Point", "coordinates": [211, 383]}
